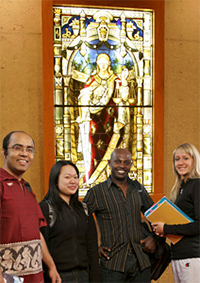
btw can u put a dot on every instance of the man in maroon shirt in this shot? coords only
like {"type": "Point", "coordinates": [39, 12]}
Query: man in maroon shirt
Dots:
{"type": "Point", "coordinates": [22, 246]}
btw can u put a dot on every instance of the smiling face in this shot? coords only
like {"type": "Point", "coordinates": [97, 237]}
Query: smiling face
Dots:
{"type": "Point", "coordinates": [183, 163]}
{"type": "Point", "coordinates": [120, 164]}
{"type": "Point", "coordinates": [68, 182]}
{"type": "Point", "coordinates": [17, 162]}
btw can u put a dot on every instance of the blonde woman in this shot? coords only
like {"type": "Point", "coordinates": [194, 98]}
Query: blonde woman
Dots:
{"type": "Point", "coordinates": [186, 195]}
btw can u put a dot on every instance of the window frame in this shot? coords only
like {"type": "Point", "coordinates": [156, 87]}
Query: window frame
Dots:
{"type": "Point", "coordinates": [158, 103]}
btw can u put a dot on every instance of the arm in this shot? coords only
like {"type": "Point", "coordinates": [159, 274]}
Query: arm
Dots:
{"type": "Point", "coordinates": [192, 228]}
{"type": "Point", "coordinates": [162, 229]}
{"type": "Point", "coordinates": [46, 257]}
{"type": "Point", "coordinates": [92, 250]}
{"type": "Point", "coordinates": [102, 249]}
{"type": "Point", "coordinates": [89, 199]}
{"type": "Point", "coordinates": [192, 205]}
{"type": "Point", "coordinates": [45, 229]}
{"type": "Point", "coordinates": [147, 201]}
{"type": "Point", "coordinates": [149, 243]}
{"type": "Point", "coordinates": [1, 277]}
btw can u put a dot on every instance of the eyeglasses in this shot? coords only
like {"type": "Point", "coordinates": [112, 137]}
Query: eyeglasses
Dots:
{"type": "Point", "coordinates": [20, 148]}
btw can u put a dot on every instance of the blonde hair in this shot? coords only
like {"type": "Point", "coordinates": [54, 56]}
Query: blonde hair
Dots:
{"type": "Point", "coordinates": [195, 172]}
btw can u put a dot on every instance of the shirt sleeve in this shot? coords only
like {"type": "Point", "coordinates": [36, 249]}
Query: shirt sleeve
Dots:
{"type": "Point", "coordinates": [189, 229]}
{"type": "Point", "coordinates": [147, 201]}
{"type": "Point", "coordinates": [89, 199]}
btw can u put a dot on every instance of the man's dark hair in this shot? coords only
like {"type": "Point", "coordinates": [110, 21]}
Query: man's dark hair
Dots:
{"type": "Point", "coordinates": [6, 140]}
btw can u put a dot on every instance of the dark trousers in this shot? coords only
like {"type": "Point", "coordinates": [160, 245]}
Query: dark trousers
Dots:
{"type": "Point", "coordinates": [132, 273]}
{"type": "Point", "coordinates": [73, 276]}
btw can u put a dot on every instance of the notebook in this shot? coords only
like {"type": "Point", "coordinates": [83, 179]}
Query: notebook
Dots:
{"type": "Point", "coordinates": [167, 212]}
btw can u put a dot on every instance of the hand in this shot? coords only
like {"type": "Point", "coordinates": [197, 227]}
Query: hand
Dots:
{"type": "Point", "coordinates": [54, 275]}
{"type": "Point", "coordinates": [158, 228]}
{"type": "Point", "coordinates": [103, 253]}
{"type": "Point", "coordinates": [149, 244]}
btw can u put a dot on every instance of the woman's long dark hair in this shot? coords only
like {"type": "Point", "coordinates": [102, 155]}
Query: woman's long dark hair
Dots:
{"type": "Point", "coordinates": [53, 192]}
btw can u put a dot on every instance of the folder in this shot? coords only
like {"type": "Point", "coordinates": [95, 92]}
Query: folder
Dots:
{"type": "Point", "coordinates": [167, 212]}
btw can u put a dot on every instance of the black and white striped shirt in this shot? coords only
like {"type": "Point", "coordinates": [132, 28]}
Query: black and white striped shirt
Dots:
{"type": "Point", "coordinates": [119, 220]}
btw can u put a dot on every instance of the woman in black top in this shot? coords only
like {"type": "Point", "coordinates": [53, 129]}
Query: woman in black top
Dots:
{"type": "Point", "coordinates": [186, 195]}
{"type": "Point", "coordinates": [70, 232]}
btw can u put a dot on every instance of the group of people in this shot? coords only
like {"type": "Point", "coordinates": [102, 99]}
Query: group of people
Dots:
{"type": "Point", "coordinates": [56, 240]}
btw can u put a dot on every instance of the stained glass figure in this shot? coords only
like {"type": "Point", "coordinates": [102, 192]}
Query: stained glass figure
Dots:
{"type": "Point", "coordinates": [103, 89]}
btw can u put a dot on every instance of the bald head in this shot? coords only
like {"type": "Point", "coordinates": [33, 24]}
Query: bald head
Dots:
{"type": "Point", "coordinates": [18, 153]}
{"type": "Point", "coordinates": [120, 151]}
{"type": "Point", "coordinates": [7, 138]}
{"type": "Point", "coordinates": [120, 164]}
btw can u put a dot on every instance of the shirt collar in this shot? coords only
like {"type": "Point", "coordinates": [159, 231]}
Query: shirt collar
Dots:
{"type": "Point", "coordinates": [183, 183]}
{"type": "Point", "coordinates": [110, 182]}
{"type": "Point", "coordinates": [4, 175]}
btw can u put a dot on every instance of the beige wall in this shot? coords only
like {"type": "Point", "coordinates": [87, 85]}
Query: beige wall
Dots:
{"type": "Point", "coordinates": [182, 75]}
{"type": "Point", "coordinates": [21, 80]}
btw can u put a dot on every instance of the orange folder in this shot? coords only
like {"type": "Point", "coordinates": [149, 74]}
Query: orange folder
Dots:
{"type": "Point", "coordinates": [167, 212]}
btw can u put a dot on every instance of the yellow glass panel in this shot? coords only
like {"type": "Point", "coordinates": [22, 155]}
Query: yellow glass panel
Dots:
{"type": "Point", "coordinates": [103, 89]}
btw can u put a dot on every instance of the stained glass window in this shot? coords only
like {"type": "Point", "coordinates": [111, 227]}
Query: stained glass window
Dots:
{"type": "Point", "coordinates": [103, 90]}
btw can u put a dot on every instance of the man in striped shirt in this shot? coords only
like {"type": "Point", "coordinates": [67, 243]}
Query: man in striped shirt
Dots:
{"type": "Point", "coordinates": [117, 204]}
